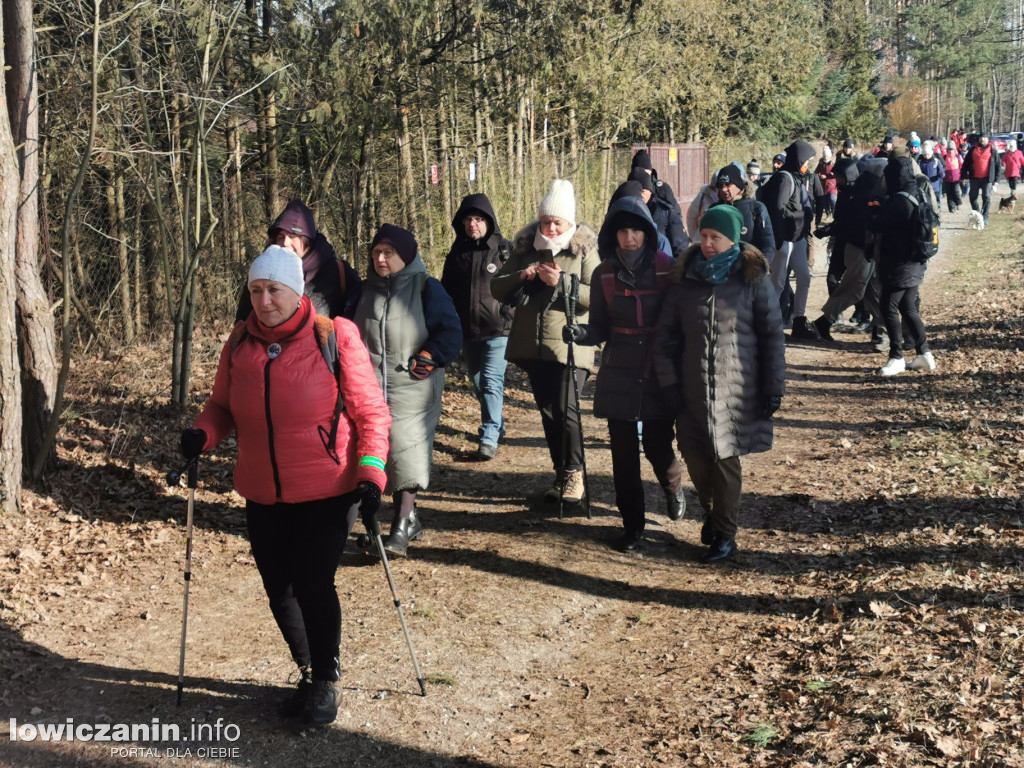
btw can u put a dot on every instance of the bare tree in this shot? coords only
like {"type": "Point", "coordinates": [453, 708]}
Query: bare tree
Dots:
{"type": "Point", "coordinates": [36, 345]}
{"type": "Point", "coordinates": [10, 386]}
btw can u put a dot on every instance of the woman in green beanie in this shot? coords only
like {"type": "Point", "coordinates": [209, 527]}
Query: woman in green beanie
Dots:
{"type": "Point", "coordinates": [720, 354]}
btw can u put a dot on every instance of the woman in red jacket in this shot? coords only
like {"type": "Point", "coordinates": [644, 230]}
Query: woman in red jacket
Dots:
{"type": "Point", "coordinates": [303, 488]}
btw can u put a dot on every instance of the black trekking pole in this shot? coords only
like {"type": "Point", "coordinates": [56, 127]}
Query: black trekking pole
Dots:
{"type": "Point", "coordinates": [569, 295]}
{"type": "Point", "coordinates": [398, 605]}
{"type": "Point", "coordinates": [173, 478]}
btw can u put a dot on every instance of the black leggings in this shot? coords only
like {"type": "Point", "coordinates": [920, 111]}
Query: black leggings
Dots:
{"type": "Point", "coordinates": [550, 384]}
{"type": "Point", "coordinates": [658, 437]}
{"type": "Point", "coordinates": [296, 548]}
{"type": "Point", "coordinates": [903, 301]}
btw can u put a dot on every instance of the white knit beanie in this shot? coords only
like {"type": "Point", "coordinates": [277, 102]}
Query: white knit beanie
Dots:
{"type": "Point", "coordinates": [282, 265]}
{"type": "Point", "coordinates": [560, 201]}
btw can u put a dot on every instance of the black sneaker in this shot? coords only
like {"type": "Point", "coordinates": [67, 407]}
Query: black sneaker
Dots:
{"type": "Point", "coordinates": [297, 702]}
{"type": "Point", "coordinates": [631, 541]}
{"type": "Point", "coordinates": [324, 700]}
{"type": "Point", "coordinates": [721, 549]}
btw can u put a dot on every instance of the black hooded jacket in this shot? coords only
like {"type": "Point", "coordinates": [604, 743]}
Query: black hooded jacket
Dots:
{"type": "Point", "coordinates": [777, 192]}
{"type": "Point", "coordinates": [898, 265]}
{"type": "Point", "coordinates": [468, 269]}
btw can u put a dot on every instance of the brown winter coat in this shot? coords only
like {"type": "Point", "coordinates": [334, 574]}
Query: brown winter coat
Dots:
{"type": "Point", "coordinates": [723, 345]}
{"type": "Point", "coordinates": [537, 328]}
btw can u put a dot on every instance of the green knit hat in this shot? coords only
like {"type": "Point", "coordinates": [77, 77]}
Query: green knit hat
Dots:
{"type": "Point", "coordinates": [725, 219]}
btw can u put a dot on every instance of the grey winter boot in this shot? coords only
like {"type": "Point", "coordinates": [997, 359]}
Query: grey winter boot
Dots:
{"type": "Point", "coordinates": [404, 529]}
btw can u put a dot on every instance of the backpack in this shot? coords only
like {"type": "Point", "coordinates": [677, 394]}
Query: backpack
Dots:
{"type": "Point", "coordinates": [925, 226]}
{"type": "Point", "coordinates": [327, 340]}
{"type": "Point", "coordinates": [797, 212]}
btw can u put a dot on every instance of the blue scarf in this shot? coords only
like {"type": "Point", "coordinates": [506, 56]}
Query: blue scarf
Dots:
{"type": "Point", "coordinates": [716, 270]}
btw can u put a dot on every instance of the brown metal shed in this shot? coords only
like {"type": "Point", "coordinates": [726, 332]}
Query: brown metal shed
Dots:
{"type": "Point", "coordinates": [685, 167]}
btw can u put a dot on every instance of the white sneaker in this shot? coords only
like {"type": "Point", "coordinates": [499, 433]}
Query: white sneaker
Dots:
{"type": "Point", "coordinates": [894, 366]}
{"type": "Point", "coordinates": [923, 362]}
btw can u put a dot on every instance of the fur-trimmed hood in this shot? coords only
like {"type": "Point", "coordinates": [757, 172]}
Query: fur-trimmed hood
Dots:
{"type": "Point", "coordinates": [753, 263]}
{"type": "Point", "coordinates": [582, 243]}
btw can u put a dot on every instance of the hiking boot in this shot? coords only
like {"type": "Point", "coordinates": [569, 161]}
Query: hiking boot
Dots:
{"type": "Point", "coordinates": [803, 331]}
{"type": "Point", "coordinates": [402, 532]}
{"type": "Point", "coordinates": [880, 341]}
{"type": "Point", "coordinates": [486, 451]}
{"type": "Point", "coordinates": [631, 541]}
{"type": "Point", "coordinates": [894, 366]}
{"type": "Point", "coordinates": [721, 549]}
{"type": "Point", "coordinates": [296, 703]}
{"type": "Point", "coordinates": [554, 493]}
{"type": "Point", "coordinates": [824, 328]}
{"type": "Point", "coordinates": [923, 362]}
{"type": "Point", "coordinates": [573, 493]}
{"type": "Point", "coordinates": [324, 700]}
{"type": "Point", "coordinates": [675, 504]}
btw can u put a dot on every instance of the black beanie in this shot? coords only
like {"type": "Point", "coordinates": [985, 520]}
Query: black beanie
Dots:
{"type": "Point", "coordinates": [401, 240]}
{"type": "Point", "coordinates": [629, 188]}
{"type": "Point", "coordinates": [730, 174]}
{"type": "Point", "coordinates": [645, 179]}
{"type": "Point", "coordinates": [642, 160]}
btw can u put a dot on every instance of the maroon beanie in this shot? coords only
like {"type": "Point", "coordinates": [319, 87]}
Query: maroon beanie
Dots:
{"type": "Point", "coordinates": [401, 240]}
{"type": "Point", "coordinates": [297, 219]}
{"type": "Point", "coordinates": [642, 160]}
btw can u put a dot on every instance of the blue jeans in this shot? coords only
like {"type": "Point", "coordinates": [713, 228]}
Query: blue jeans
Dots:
{"type": "Point", "coordinates": [486, 363]}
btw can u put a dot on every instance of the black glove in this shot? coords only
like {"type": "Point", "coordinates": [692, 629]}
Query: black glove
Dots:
{"type": "Point", "coordinates": [672, 398]}
{"type": "Point", "coordinates": [421, 365]}
{"type": "Point", "coordinates": [769, 405]}
{"type": "Point", "coordinates": [825, 231]}
{"type": "Point", "coordinates": [192, 442]}
{"type": "Point", "coordinates": [574, 334]}
{"type": "Point", "coordinates": [369, 505]}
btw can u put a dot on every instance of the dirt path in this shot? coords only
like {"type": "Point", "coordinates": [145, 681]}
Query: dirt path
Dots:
{"type": "Point", "coordinates": [873, 616]}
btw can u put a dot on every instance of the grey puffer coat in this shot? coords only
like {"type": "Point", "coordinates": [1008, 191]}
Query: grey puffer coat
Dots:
{"type": "Point", "coordinates": [723, 345]}
{"type": "Point", "coordinates": [398, 316]}
{"type": "Point", "coordinates": [537, 327]}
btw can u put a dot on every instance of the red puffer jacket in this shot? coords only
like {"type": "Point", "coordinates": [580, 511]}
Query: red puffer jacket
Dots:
{"type": "Point", "coordinates": [278, 405]}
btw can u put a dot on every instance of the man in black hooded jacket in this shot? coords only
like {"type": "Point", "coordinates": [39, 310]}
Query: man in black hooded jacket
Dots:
{"type": "Point", "coordinates": [642, 159]}
{"type": "Point", "coordinates": [476, 256]}
{"type": "Point", "coordinates": [791, 213]}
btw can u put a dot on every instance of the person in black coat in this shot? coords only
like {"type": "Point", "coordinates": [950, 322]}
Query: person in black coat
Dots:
{"type": "Point", "coordinates": [476, 256]}
{"type": "Point", "coordinates": [642, 159]}
{"type": "Point", "coordinates": [738, 192]}
{"type": "Point", "coordinates": [666, 216]}
{"type": "Point", "coordinates": [628, 288]}
{"type": "Point", "coordinates": [900, 270]}
{"type": "Point", "coordinates": [331, 284]}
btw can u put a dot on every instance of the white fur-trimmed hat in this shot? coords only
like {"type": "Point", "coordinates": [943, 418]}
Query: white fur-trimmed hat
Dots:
{"type": "Point", "coordinates": [560, 201]}
{"type": "Point", "coordinates": [282, 265]}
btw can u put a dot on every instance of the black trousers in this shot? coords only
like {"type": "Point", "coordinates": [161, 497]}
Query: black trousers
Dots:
{"type": "Point", "coordinates": [984, 188]}
{"type": "Point", "coordinates": [296, 548]}
{"type": "Point", "coordinates": [719, 485]}
{"type": "Point", "coordinates": [658, 448]}
{"type": "Point", "coordinates": [550, 383]}
{"type": "Point", "coordinates": [951, 189]}
{"type": "Point", "coordinates": [903, 301]}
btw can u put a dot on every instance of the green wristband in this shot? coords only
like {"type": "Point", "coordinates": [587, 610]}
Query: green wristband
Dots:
{"type": "Point", "coordinates": [372, 461]}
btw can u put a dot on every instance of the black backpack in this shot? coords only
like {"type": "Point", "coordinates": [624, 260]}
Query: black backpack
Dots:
{"type": "Point", "coordinates": [797, 212]}
{"type": "Point", "coordinates": [925, 226]}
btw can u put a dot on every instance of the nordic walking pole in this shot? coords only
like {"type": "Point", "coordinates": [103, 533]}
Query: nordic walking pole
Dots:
{"type": "Point", "coordinates": [569, 296]}
{"type": "Point", "coordinates": [173, 478]}
{"type": "Point", "coordinates": [398, 606]}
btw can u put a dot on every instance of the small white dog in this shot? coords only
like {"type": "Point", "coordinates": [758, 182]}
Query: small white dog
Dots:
{"type": "Point", "coordinates": [975, 220]}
